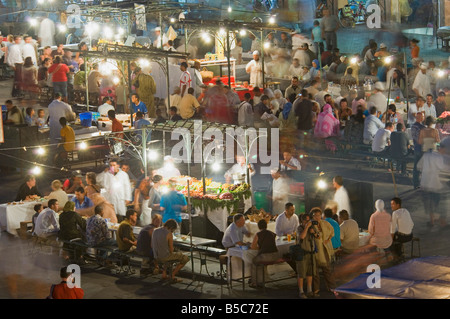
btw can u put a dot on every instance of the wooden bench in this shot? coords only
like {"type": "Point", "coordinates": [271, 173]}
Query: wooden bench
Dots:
{"type": "Point", "coordinates": [204, 252]}
{"type": "Point", "coordinates": [264, 264]}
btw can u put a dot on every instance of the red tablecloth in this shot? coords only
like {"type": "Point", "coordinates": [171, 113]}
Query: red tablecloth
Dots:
{"type": "Point", "coordinates": [241, 92]}
{"type": "Point", "coordinates": [224, 80]}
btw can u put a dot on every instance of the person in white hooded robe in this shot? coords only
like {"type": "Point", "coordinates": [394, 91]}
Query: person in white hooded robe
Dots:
{"type": "Point", "coordinates": [434, 190]}
{"type": "Point", "coordinates": [46, 34]}
{"type": "Point", "coordinates": [118, 188]}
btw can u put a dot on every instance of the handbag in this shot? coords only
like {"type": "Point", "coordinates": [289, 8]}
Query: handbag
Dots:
{"type": "Point", "coordinates": [206, 75]}
{"type": "Point", "coordinates": [296, 252]}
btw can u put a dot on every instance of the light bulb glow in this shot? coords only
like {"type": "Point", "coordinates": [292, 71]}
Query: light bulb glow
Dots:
{"type": "Point", "coordinates": [266, 45]}
{"type": "Point", "coordinates": [243, 32]}
{"type": "Point", "coordinates": [33, 22]}
{"type": "Point", "coordinates": [215, 167]}
{"type": "Point", "coordinates": [354, 60]}
{"type": "Point", "coordinates": [321, 184]}
{"type": "Point", "coordinates": [152, 155]}
{"type": "Point", "coordinates": [230, 9]}
{"type": "Point", "coordinates": [62, 28]}
{"type": "Point", "coordinates": [40, 151]}
{"type": "Point", "coordinates": [272, 20]}
{"type": "Point", "coordinates": [36, 170]}
{"type": "Point", "coordinates": [441, 73]}
{"type": "Point", "coordinates": [83, 146]}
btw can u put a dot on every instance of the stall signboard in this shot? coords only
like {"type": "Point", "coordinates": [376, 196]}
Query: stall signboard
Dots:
{"type": "Point", "coordinates": [141, 22]}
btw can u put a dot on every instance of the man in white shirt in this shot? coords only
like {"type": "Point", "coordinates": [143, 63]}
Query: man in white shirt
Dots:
{"type": "Point", "coordinates": [414, 108]}
{"type": "Point", "coordinates": [371, 125]}
{"type": "Point", "coordinates": [14, 59]}
{"type": "Point", "coordinates": [157, 42]}
{"type": "Point", "coordinates": [245, 111]}
{"type": "Point", "coordinates": [401, 226]}
{"type": "Point", "coordinates": [422, 85]}
{"type": "Point", "coordinates": [341, 195]}
{"type": "Point", "coordinates": [106, 106]}
{"type": "Point", "coordinates": [378, 98]}
{"type": "Point", "coordinates": [47, 222]}
{"type": "Point", "coordinates": [234, 234]}
{"type": "Point", "coordinates": [29, 50]}
{"type": "Point", "coordinates": [429, 108]}
{"type": "Point", "coordinates": [118, 188]}
{"type": "Point", "coordinates": [349, 232]}
{"type": "Point", "coordinates": [287, 222]}
{"type": "Point", "coordinates": [382, 139]}
{"type": "Point", "coordinates": [236, 52]}
{"type": "Point", "coordinates": [280, 191]}
{"type": "Point", "coordinates": [254, 68]}
{"type": "Point", "coordinates": [15, 55]}
{"type": "Point", "coordinates": [56, 110]}
{"type": "Point", "coordinates": [295, 69]}
{"type": "Point", "coordinates": [290, 162]}
{"type": "Point", "coordinates": [198, 79]}
{"type": "Point", "coordinates": [238, 172]}
{"type": "Point", "coordinates": [185, 79]}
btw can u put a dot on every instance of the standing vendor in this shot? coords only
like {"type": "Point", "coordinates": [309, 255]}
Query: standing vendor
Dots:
{"type": "Point", "coordinates": [238, 172]}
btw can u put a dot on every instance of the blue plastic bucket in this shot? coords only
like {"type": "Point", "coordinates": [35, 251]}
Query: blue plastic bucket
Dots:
{"type": "Point", "coordinates": [86, 119]}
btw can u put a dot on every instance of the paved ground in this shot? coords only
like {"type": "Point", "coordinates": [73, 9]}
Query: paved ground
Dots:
{"type": "Point", "coordinates": [23, 275]}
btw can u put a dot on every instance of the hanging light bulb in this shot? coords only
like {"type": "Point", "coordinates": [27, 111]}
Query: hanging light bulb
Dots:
{"type": "Point", "coordinates": [36, 170]}
{"type": "Point", "coordinates": [40, 151]}
{"type": "Point", "coordinates": [83, 146]}
{"type": "Point", "coordinates": [230, 9]}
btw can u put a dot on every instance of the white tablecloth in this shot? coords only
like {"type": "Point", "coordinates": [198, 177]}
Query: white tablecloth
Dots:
{"type": "Point", "coordinates": [237, 255]}
{"type": "Point", "coordinates": [253, 228]}
{"type": "Point", "coordinates": [219, 216]}
{"type": "Point", "coordinates": [12, 215]}
{"type": "Point", "coordinates": [363, 239]}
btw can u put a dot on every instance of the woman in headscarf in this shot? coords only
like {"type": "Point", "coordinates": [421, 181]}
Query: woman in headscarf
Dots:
{"type": "Point", "coordinates": [380, 227]}
{"type": "Point", "coordinates": [315, 69]}
{"type": "Point", "coordinates": [278, 96]}
{"type": "Point", "coordinates": [327, 125]}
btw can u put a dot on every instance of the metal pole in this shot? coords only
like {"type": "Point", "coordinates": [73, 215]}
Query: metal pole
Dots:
{"type": "Point", "coordinates": [228, 57]}
{"type": "Point", "coordinates": [129, 87]}
{"type": "Point", "coordinates": [389, 94]}
{"type": "Point", "coordinates": [87, 85]}
{"type": "Point", "coordinates": [262, 58]}
{"type": "Point", "coordinates": [144, 150]}
{"type": "Point", "coordinates": [185, 39]}
{"type": "Point", "coordinates": [190, 229]}
{"type": "Point", "coordinates": [407, 86]}
{"type": "Point", "coordinates": [161, 32]}
{"type": "Point", "coordinates": [168, 81]}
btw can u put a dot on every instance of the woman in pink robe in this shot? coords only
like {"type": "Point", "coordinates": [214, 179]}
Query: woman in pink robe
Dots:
{"type": "Point", "coordinates": [327, 125]}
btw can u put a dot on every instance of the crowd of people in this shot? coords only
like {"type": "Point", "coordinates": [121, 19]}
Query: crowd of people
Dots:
{"type": "Point", "coordinates": [105, 199]}
{"type": "Point", "coordinates": [323, 236]}
{"type": "Point", "coordinates": [359, 112]}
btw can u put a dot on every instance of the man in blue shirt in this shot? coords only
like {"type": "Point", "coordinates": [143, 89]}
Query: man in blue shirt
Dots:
{"type": "Point", "coordinates": [139, 123]}
{"type": "Point", "coordinates": [172, 204]}
{"type": "Point", "coordinates": [137, 104]}
{"type": "Point", "coordinates": [336, 239]}
{"type": "Point", "coordinates": [80, 199]}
